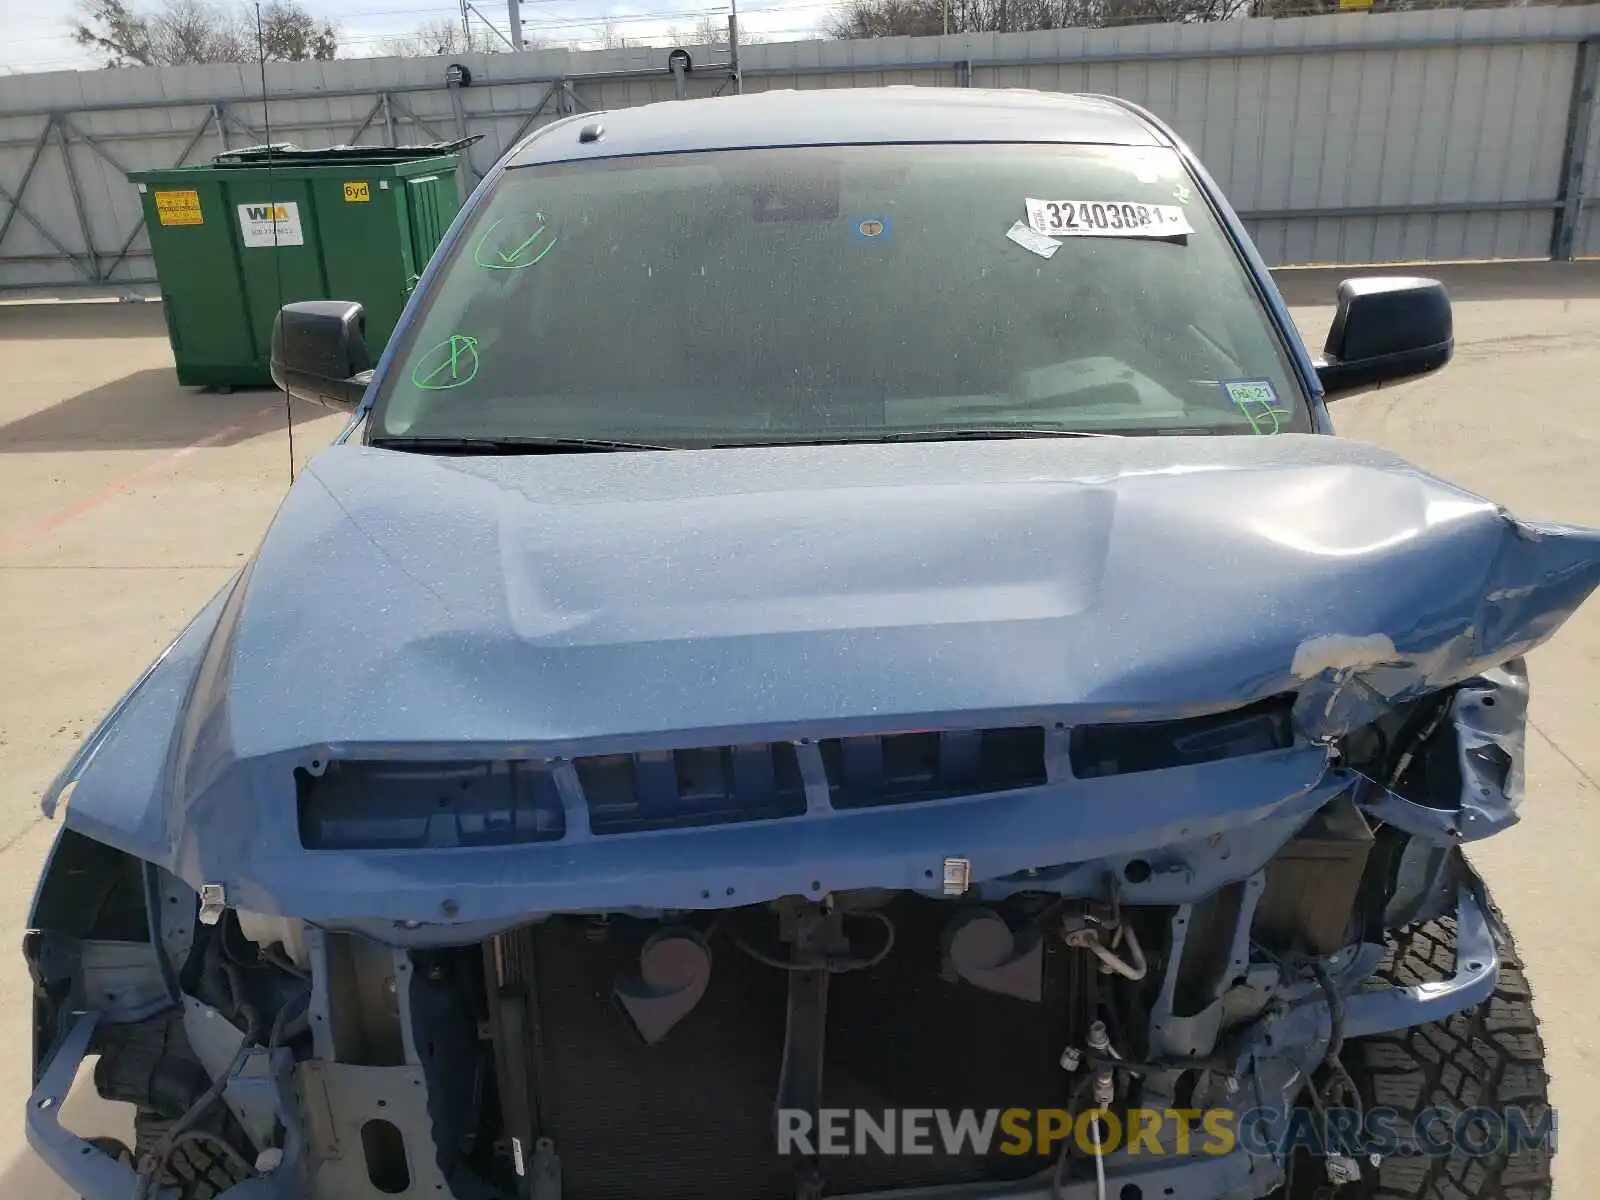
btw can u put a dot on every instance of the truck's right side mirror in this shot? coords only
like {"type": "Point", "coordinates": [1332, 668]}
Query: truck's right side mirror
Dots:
{"type": "Point", "coordinates": [319, 352]}
{"type": "Point", "coordinates": [1386, 329]}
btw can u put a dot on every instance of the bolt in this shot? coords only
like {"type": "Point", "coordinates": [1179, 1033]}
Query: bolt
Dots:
{"type": "Point", "coordinates": [1071, 1058]}
{"type": "Point", "coordinates": [1104, 1090]}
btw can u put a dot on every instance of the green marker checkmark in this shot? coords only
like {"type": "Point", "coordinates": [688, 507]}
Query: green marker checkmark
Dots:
{"type": "Point", "coordinates": [513, 260]}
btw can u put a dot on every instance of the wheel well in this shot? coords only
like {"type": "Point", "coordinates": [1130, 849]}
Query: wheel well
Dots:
{"type": "Point", "coordinates": [91, 890]}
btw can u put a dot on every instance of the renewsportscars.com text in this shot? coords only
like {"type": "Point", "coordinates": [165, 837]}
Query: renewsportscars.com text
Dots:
{"type": "Point", "coordinates": [1437, 1132]}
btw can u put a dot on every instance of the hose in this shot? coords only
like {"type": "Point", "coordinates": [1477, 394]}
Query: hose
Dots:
{"type": "Point", "coordinates": [1135, 970]}
{"type": "Point", "coordinates": [285, 1028]}
{"type": "Point", "coordinates": [1335, 1011]}
{"type": "Point", "coordinates": [1336, 1043]}
{"type": "Point", "coordinates": [833, 966]}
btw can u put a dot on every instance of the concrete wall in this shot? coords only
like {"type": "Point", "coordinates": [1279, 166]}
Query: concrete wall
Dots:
{"type": "Point", "coordinates": [1349, 138]}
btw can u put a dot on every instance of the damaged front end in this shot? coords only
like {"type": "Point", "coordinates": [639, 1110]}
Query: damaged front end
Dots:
{"type": "Point", "coordinates": [600, 1054]}
{"type": "Point", "coordinates": [594, 964]}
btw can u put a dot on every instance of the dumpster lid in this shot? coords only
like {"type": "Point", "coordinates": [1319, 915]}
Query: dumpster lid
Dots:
{"type": "Point", "coordinates": [287, 151]}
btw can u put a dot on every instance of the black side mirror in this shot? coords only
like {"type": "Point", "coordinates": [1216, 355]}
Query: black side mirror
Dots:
{"type": "Point", "coordinates": [319, 352]}
{"type": "Point", "coordinates": [1386, 329]}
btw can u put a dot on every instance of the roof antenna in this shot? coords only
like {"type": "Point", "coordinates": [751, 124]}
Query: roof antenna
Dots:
{"type": "Point", "coordinates": [272, 209]}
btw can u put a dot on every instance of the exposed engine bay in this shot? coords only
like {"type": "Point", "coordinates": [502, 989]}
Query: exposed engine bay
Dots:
{"type": "Point", "coordinates": [601, 1055]}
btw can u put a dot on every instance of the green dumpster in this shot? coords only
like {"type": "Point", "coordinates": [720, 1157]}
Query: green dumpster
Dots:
{"type": "Point", "coordinates": [235, 238]}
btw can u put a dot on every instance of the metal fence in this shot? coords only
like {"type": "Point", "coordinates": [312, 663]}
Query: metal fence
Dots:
{"type": "Point", "coordinates": [1347, 138]}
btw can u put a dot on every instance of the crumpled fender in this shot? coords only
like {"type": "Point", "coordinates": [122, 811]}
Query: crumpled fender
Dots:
{"type": "Point", "coordinates": [112, 785]}
{"type": "Point", "coordinates": [1535, 576]}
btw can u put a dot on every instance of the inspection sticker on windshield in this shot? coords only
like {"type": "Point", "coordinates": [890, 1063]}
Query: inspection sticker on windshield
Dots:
{"type": "Point", "coordinates": [1106, 218]}
{"type": "Point", "coordinates": [1029, 240]}
{"type": "Point", "coordinates": [1257, 399]}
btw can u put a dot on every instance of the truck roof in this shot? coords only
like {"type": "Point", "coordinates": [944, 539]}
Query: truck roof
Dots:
{"type": "Point", "coordinates": [855, 116]}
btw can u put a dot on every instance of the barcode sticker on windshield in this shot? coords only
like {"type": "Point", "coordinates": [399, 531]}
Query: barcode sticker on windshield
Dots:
{"type": "Point", "coordinates": [1106, 218]}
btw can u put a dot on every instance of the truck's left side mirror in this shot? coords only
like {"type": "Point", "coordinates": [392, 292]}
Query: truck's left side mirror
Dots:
{"type": "Point", "coordinates": [1386, 329]}
{"type": "Point", "coordinates": [319, 352]}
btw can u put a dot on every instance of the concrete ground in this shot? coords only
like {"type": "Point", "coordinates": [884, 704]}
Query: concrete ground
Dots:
{"type": "Point", "coordinates": [126, 502]}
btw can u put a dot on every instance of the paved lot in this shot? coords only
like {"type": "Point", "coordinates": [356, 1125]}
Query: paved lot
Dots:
{"type": "Point", "coordinates": [125, 502]}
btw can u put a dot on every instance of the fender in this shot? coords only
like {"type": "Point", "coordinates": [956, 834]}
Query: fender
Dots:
{"type": "Point", "coordinates": [112, 788]}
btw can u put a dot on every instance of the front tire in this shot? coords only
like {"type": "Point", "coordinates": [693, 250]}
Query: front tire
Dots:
{"type": "Point", "coordinates": [197, 1169]}
{"type": "Point", "coordinates": [1488, 1057]}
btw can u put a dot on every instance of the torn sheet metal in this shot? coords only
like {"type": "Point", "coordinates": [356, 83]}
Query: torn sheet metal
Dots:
{"type": "Point", "coordinates": [1486, 733]}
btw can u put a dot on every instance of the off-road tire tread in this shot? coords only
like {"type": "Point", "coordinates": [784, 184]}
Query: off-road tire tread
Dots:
{"type": "Point", "coordinates": [196, 1168]}
{"type": "Point", "coordinates": [1490, 1056]}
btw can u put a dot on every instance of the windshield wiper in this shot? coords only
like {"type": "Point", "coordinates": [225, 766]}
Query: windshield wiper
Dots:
{"type": "Point", "coordinates": [861, 437]}
{"type": "Point", "coordinates": [986, 432]}
{"type": "Point", "coordinates": [510, 445]}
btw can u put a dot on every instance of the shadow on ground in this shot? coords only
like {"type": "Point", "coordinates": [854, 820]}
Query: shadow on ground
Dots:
{"type": "Point", "coordinates": [148, 410]}
{"type": "Point", "coordinates": [29, 322]}
{"type": "Point", "coordinates": [87, 1115]}
{"type": "Point", "coordinates": [1307, 286]}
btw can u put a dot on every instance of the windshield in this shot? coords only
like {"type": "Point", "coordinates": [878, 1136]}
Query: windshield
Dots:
{"type": "Point", "coordinates": [841, 293]}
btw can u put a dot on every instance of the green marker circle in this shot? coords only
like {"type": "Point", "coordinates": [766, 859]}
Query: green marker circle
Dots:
{"type": "Point", "coordinates": [450, 364]}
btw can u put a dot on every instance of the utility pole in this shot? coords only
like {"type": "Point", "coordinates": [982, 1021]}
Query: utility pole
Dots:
{"type": "Point", "coordinates": [733, 48]}
{"type": "Point", "coordinates": [514, 12]}
{"type": "Point", "coordinates": [466, 24]}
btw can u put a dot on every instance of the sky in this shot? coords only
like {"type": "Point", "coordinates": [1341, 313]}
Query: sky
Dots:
{"type": "Point", "coordinates": [35, 34]}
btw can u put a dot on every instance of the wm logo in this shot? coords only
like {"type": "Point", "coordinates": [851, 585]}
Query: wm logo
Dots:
{"type": "Point", "coordinates": [267, 212]}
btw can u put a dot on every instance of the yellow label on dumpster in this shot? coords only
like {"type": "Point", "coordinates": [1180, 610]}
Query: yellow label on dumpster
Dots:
{"type": "Point", "coordinates": [179, 208]}
{"type": "Point", "coordinates": [357, 193]}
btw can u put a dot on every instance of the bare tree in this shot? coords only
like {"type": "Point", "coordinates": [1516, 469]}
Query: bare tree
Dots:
{"type": "Point", "coordinates": [428, 39]}
{"type": "Point", "coordinates": [200, 31]}
{"type": "Point", "coordinates": [893, 18]}
{"type": "Point", "coordinates": [890, 18]}
{"type": "Point", "coordinates": [612, 38]}
{"type": "Point", "coordinates": [290, 34]}
{"type": "Point", "coordinates": [192, 31]}
{"type": "Point", "coordinates": [108, 28]}
{"type": "Point", "coordinates": [708, 31]}
{"type": "Point", "coordinates": [432, 39]}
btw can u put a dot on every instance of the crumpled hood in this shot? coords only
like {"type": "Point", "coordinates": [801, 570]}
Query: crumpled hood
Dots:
{"type": "Point", "coordinates": [535, 608]}
{"type": "Point", "coordinates": [556, 599]}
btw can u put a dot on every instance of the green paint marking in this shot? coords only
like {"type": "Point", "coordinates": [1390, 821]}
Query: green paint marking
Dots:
{"type": "Point", "coordinates": [514, 260]}
{"type": "Point", "coordinates": [460, 360]}
{"type": "Point", "coordinates": [1258, 421]}
{"type": "Point", "coordinates": [1258, 395]}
